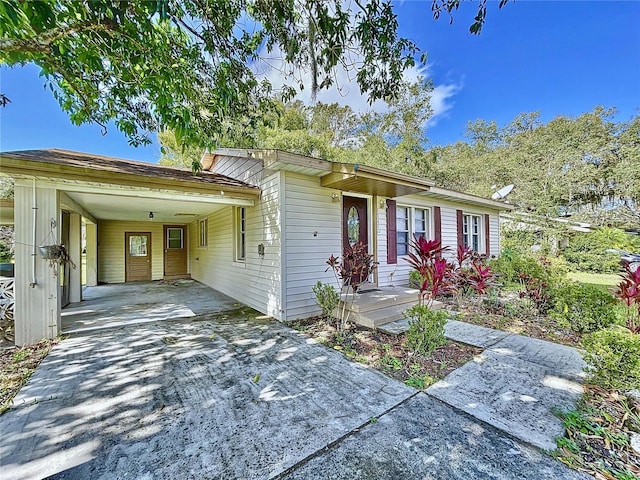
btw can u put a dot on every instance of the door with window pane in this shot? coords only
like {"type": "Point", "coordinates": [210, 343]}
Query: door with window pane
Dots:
{"type": "Point", "coordinates": [175, 251]}
{"type": "Point", "coordinates": [137, 247]}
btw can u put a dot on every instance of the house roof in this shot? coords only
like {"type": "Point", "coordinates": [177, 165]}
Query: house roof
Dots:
{"type": "Point", "coordinates": [353, 177]}
{"type": "Point", "coordinates": [67, 164]}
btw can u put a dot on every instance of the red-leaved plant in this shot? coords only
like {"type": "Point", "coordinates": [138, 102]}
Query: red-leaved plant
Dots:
{"type": "Point", "coordinates": [629, 292]}
{"type": "Point", "coordinates": [435, 271]}
{"type": "Point", "coordinates": [354, 269]}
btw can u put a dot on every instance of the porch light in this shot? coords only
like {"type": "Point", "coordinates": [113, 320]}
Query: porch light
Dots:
{"type": "Point", "coordinates": [335, 197]}
{"type": "Point", "coordinates": [150, 215]}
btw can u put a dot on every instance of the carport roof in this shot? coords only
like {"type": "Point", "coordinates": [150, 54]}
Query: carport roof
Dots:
{"type": "Point", "coordinates": [66, 163]}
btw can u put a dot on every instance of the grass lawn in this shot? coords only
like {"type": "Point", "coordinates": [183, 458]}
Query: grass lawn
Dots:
{"type": "Point", "coordinates": [603, 280]}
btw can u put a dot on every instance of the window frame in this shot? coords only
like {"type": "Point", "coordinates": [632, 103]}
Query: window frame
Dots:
{"type": "Point", "coordinates": [168, 239]}
{"type": "Point", "coordinates": [411, 225]}
{"type": "Point", "coordinates": [468, 234]}
{"type": "Point", "coordinates": [240, 226]}
{"type": "Point", "coordinates": [203, 232]}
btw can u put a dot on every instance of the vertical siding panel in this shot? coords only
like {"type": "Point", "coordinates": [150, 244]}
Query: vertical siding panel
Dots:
{"type": "Point", "coordinates": [313, 233]}
{"type": "Point", "coordinates": [256, 281]}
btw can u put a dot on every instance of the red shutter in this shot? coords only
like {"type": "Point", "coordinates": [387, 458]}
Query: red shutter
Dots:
{"type": "Point", "coordinates": [437, 224]}
{"type": "Point", "coordinates": [392, 251]}
{"type": "Point", "coordinates": [487, 243]}
{"type": "Point", "coordinates": [459, 225]}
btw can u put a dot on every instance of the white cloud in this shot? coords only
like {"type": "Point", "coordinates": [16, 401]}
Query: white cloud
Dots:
{"type": "Point", "coordinates": [345, 90]}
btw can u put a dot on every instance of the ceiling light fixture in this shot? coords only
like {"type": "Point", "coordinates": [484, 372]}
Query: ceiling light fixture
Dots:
{"type": "Point", "coordinates": [150, 215]}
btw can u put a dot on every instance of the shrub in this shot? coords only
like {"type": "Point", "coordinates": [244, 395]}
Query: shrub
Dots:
{"type": "Point", "coordinates": [584, 308]}
{"type": "Point", "coordinates": [613, 358]}
{"type": "Point", "coordinates": [426, 329]}
{"type": "Point", "coordinates": [588, 252]}
{"type": "Point", "coordinates": [327, 297]}
{"type": "Point", "coordinates": [510, 265]}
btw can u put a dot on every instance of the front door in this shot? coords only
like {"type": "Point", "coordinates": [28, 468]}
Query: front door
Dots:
{"type": "Point", "coordinates": [175, 251]}
{"type": "Point", "coordinates": [137, 256]}
{"type": "Point", "coordinates": [355, 227]}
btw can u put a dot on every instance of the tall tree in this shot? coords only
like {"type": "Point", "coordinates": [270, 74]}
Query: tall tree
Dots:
{"type": "Point", "coordinates": [190, 65]}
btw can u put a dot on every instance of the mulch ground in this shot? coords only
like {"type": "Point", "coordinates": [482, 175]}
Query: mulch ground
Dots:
{"type": "Point", "coordinates": [389, 353]}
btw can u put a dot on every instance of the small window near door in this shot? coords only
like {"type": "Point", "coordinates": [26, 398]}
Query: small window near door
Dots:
{"type": "Point", "coordinates": [174, 238]}
{"type": "Point", "coordinates": [138, 246]}
{"type": "Point", "coordinates": [471, 231]}
{"type": "Point", "coordinates": [411, 223]}
{"type": "Point", "coordinates": [203, 232]}
{"type": "Point", "coordinates": [241, 233]}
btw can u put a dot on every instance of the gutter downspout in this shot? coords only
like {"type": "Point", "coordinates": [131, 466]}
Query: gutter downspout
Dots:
{"type": "Point", "coordinates": [34, 280]}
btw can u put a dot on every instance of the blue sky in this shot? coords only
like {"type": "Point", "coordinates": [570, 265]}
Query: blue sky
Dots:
{"type": "Point", "coordinates": [559, 58]}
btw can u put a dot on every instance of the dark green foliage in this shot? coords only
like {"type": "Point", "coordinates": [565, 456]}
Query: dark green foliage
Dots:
{"type": "Point", "coordinates": [520, 241]}
{"type": "Point", "coordinates": [510, 265]}
{"type": "Point", "coordinates": [327, 297]}
{"type": "Point", "coordinates": [426, 329]}
{"type": "Point", "coordinates": [584, 308]}
{"type": "Point", "coordinates": [5, 252]}
{"type": "Point", "coordinates": [613, 358]}
{"type": "Point", "coordinates": [587, 252]}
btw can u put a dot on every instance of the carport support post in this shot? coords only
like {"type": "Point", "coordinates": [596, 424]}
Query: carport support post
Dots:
{"type": "Point", "coordinates": [75, 252]}
{"type": "Point", "coordinates": [91, 278]}
{"type": "Point", "coordinates": [37, 308]}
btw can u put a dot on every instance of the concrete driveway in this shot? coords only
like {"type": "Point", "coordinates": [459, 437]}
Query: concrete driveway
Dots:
{"type": "Point", "coordinates": [234, 396]}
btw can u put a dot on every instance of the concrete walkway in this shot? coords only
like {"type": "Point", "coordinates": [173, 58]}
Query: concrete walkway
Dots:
{"type": "Point", "coordinates": [515, 384]}
{"type": "Point", "coordinates": [242, 398]}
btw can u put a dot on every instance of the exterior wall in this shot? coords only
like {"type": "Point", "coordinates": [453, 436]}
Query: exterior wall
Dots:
{"type": "Point", "coordinates": [245, 169]}
{"type": "Point", "coordinates": [111, 253]}
{"type": "Point", "coordinates": [256, 281]}
{"type": "Point", "coordinates": [312, 233]}
{"type": "Point", "coordinates": [92, 254]}
{"type": "Point", "coordinates": [37, 307]}
{"type": "Point", "coordinates": [398, 274]}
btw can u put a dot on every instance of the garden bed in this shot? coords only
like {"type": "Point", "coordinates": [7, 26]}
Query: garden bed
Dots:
{"type": "Point", "coordinates": [389, 353]}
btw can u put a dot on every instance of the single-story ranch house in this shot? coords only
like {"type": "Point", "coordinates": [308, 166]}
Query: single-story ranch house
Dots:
{"type": "Point", "coordinates": [257, 225]}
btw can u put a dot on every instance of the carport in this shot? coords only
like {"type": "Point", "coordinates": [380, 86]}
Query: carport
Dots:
{"type": "Point", "coordinates": [127, 304]}
{"type": "Point", "coordinates": [135, 215]}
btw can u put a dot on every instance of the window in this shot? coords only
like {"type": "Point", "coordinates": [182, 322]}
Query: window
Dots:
{"type": "Point", "coordinates": [471, 231]}
{"type": "Point", "coordinates": [410, 223]}
{"type": "Point", "coordinates": [241, 233]}
{"type": "Point", "coordinates": [138, 246]}
{"type": "Point", "coordinates": [174, 238]}
{"type": "Point", "coordinates": [203, 232]}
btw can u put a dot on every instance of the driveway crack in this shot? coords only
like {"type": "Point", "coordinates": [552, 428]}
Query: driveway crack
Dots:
{"type": "Point", "coordinates": [339, 440]}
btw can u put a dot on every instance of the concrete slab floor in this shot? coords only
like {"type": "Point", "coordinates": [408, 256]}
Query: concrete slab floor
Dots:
{"type": "Point", "coordinates": [236, 396]}
{"type": "Point", "coordinates": [426, 439]}
{"type": "Point", "coordinates": [207, 399]}
{"type": "Point", "coordinates": [120, 304]}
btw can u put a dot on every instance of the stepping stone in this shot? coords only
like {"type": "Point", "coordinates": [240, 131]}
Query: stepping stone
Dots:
{"type": "Point", "coordinates": [563, 361]}
{"type": "Point", "coordinates": [395, 328]}
{"type": "Point", "coordinates": [470, 334]}
{"type": "Point", "coordinates": [513, 395]}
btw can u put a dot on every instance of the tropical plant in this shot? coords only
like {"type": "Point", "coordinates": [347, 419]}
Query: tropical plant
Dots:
{"type": "Point", "coordinates": [435, 272]}
{"type": "Point", "coordinates": [351, 271]}
{"type": "Point", "coordinates": [629, 292]}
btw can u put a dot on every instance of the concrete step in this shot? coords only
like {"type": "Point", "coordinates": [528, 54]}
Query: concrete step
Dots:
{"type": "Point", "coordinates": [385, 315]}
{"type": "Point", "coordinates": [382, 297]}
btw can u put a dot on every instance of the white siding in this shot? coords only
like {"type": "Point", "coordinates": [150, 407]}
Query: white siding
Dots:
{"type": "Point", "coordinates": [256, 281]}
{"type": "Point", "coordinates": [312, 233]}
{"type": "Point", "coordinates": [398, 274]}
{"type": "Point", "coordinates": [244, 169]}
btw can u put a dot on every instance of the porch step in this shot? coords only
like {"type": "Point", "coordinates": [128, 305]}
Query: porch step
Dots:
{"type": "Point", "coordinates": [382, 316]}
{"type": "Point", "coordinates": [378, 298]}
